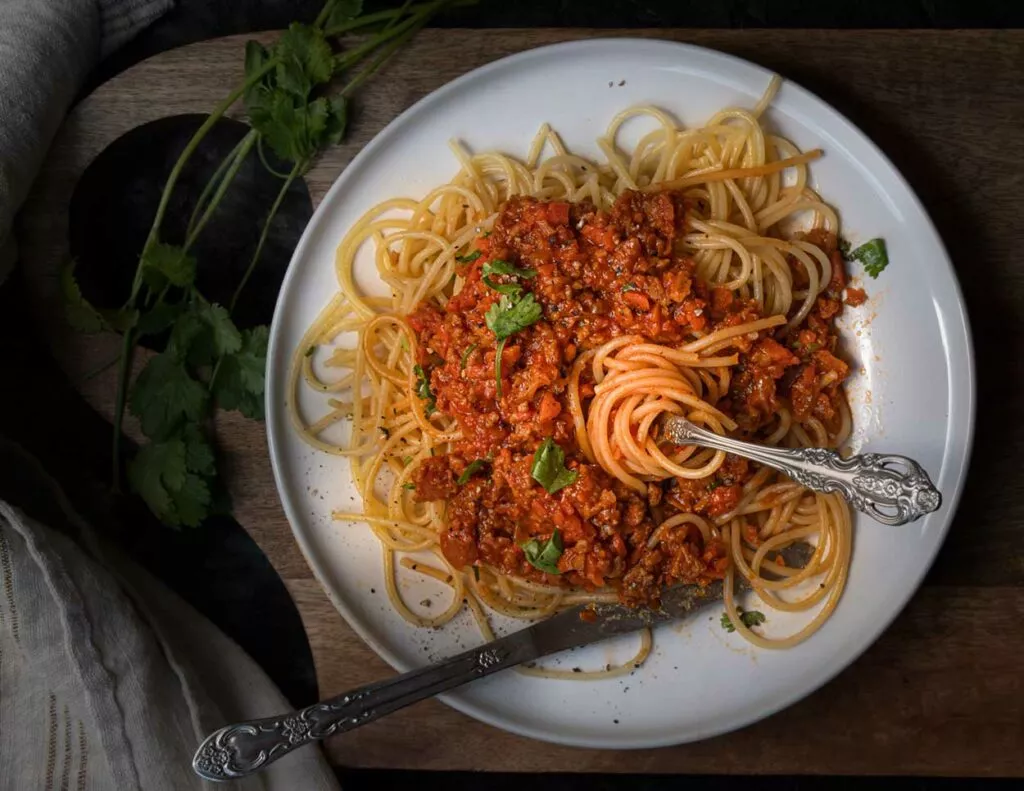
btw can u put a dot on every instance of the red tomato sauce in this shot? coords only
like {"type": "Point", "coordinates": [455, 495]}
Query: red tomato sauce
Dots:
{"type": "Point", "coordinates": [598, 275]}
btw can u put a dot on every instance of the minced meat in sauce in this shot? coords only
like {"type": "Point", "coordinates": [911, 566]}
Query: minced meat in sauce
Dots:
{"type": "Point", "coordinates": [599, 275]}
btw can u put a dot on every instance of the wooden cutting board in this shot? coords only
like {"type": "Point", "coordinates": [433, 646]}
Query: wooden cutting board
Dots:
{"type": "Point", "coordinates": [942, 691]}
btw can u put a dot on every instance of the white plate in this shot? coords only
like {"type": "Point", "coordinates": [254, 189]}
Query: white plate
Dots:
{"type": "Point", "coordinates": [913, 392]}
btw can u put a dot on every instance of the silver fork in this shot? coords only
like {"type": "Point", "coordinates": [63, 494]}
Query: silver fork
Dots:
{"type": "Point", "coordinates": [889, 488]}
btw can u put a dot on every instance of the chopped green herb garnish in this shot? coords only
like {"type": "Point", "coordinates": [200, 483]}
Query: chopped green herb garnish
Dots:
{"type": "Point", "coordinates": [423, 390]}
{"type": "Point", "coordinates": [409, 486]}
{"type": "Point", "coordinates": [310, 350]}
{"type": "Point", "coordinates": [513, 289]}
{"type": "Point", "coordinates": [500, 267]}
{"type": "Point", "coordinates": [544, 556]}
{"type": "Point", "coordinates": [505, 268]}
{"type": "Point", "coordinates": [476, 573]}
{"type": "Point", "coordinates": [468, 258]}
{"type": "Point", "coordinates": [549, 468]}
{"type": "Point", "coordinates": [403, 342]}
{"type": "Point", "coordinates": [629, 287]}
{"type": "Point", "coordinates": [750, 619]}
{"type": "Point", "coordinates": [844, 247]}
{"type": "Point", "coordinates": [406, 460]}
{"type": "Point", "coordinates": [713, 485]}
{"type": "Point", "coordinates": [873, 256]}
{"type": "Point", "coordinates": [505, 318]}
{"type": "Point", "coordinates": [465, 356]}
{"type": "Point", "coordinates": [468, 472]}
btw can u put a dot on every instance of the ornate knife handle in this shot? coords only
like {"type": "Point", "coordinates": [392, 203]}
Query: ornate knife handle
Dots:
{"type": "Point", "coordinates": [246, 747]}
{"type": "Point", "coordinates": [891, 489]}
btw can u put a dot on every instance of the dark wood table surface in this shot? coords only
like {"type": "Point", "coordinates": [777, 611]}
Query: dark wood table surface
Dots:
{"type": "Point", "coordinates": [942, 692]}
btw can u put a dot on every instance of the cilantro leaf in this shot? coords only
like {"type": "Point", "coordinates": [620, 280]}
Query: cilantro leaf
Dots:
{"type": "Point", "coordinates": [409, 485]}
{"type": "Point", "coordinates": [160, 317]}
{"type": "Point", "coordinates": [168, 264]}
{"type": "Point", "coordinates": [192, 501]}
{"type": "Point", "coordinates": [256, 56]}
{"type": "Point", "coordinates": [544, 556]}
{"type": "Point", "coordinates": [198, 453]}
{"type": "Point", "coordinates": [241, 378]}
{"type": "Point", "coordinates": [750, 619]}
{"type": "Point", "coordinates": [471, 468]}
{"type": "Point", "coordinates": [165, 395]}
{"type": "Point", "coordinates": [549, 468]}
{"type": "Point", "coordinates": [873, 256]}
{"type": "Point", "coordinates": [204, 333]}
{"type": "Point", "coordinates": [512, 289]}
{"type": "Point", "coordinates": [629, 287]}
{"type": "Point", "coordinates": [423, 390]}
{"type": "Point", "coordinates": [157, 467]}
{"type": "Point", "coordinates": [337, 119]}
{"type": "Point", "coordinates": [500, 267]}
{"type": "Point", "coordinates": [297, 131]}
{"type": "Point", "coordinates": [468, 258]}
{"type": "Point", "coordinates": [159, 474]}
{"type": "Point", "coordinates": [508, 315]}
{"type": "Point", "coordinates": [305, 59]}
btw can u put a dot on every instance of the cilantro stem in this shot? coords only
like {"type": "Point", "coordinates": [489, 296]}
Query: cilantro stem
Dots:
{"type": "Point", "coordinates": [368, 20]}
{"type": "Point", "coordinates": [204, 196]}
{"type": "Point", "coordinates": [172, 179]}
{"type": "Point", "coordinates": [296, 170]}
{"type": "Point", "coordinates": [404, 9]}
{"type": "Point", "coordinates": [236, 163]}
{"type": "Point", "coordinates": [372, 19]}
{"type": "Point", "coordinates": [410, 25]}
{"type": "Point", "coordinates": [325, 13]}
{"type": "Point", "coordinates": [263, 158]}
{"type": "Point", "coordinates": [497, 363]}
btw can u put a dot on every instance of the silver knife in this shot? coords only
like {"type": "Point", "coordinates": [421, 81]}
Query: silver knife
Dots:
{"type": "Point", "coordinates": [246, 747]}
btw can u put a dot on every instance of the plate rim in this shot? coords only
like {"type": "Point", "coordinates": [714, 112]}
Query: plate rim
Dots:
{"type": "Point", "coordinates": [275, 390]}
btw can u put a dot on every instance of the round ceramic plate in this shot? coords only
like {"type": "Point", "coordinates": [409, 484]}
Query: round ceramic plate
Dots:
{"type": "Point", "coordinates": [912, 392]}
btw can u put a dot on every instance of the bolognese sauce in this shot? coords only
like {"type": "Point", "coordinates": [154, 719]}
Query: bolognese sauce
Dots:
{"type": "Point", "coordinates": [597, 275]}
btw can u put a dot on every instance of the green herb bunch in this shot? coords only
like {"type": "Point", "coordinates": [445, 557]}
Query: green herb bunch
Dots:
{"type": "Point", "coordinates": [296, 93]}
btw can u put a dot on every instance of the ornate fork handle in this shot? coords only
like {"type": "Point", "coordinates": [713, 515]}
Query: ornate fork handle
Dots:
{"type": "Point", "coordinates": [892, 489]}
{"type": "Point", "coordinates": [246, 747]}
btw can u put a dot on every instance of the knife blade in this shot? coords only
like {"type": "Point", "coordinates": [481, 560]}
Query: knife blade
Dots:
{"type": "Point", "coordinates": [243, 748]}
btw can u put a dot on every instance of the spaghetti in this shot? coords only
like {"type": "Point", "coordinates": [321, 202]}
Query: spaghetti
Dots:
{"type": "Point", "coordinates": [500, 410]}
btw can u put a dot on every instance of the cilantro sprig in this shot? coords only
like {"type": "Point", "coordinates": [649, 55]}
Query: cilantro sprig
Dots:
{"type": "Point", "coordinates": [505, 318]}
{"type": "Point", "coordinates": [873, 257]}
{"type": "Point", "coordinates": [208, 361]}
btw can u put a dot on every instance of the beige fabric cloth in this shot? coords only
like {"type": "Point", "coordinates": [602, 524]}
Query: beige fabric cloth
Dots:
{"type": "Point", "coordinates": [107, 679]}
{"type": "Point", "coordinates": [47, 48]}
